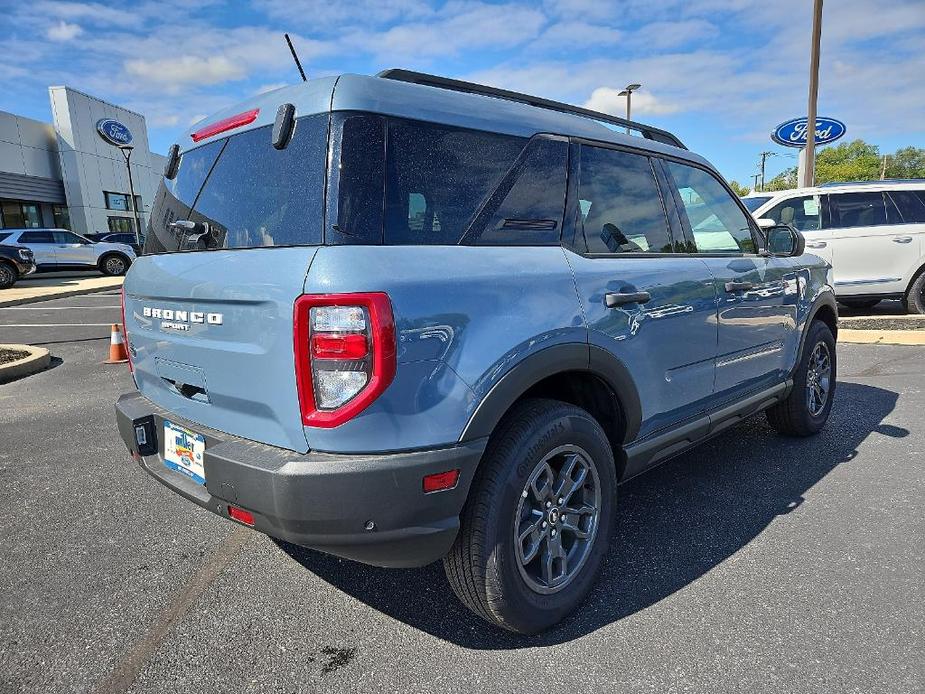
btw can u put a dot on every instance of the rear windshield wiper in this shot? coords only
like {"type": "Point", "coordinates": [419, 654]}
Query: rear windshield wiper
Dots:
{"type": "Point", "coordinates": [192, 234]}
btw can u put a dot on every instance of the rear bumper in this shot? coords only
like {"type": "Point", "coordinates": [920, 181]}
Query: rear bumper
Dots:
{"type": "Point", "coordinates": [319, 500]}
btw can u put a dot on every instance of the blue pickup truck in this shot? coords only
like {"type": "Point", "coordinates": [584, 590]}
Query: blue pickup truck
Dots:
{"type": "Point", "coordinates": [406, 318]}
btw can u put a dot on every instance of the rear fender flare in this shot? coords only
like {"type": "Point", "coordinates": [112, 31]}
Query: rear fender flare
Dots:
{"type": "Point", "coordinates": [549, 362]}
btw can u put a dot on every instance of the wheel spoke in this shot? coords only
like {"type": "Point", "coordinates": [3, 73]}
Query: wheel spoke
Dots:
{"type": "Point", "coordinates": [540, 493]}
{"type": "Point", "coordinates": [569, 480]}
{"type": "Point", "coordinates": [573, 527]}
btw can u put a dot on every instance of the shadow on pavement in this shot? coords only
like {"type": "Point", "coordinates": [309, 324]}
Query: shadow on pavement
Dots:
{"type": "Point", "coordinates": [674, 524]}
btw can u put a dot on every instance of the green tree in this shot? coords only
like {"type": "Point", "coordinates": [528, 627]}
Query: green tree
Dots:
{"type": "Point", "coordinates": [907, 162]}
{"type": "Point", "coordinates": [739, 189]}
{"type": "Point", "coordinates": [856, 161]}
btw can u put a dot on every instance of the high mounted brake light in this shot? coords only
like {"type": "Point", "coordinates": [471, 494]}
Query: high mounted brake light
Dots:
{"type": "Point", "coordinates": [344, 354]}
{"type": "Point", "coordinates": [225, 124]}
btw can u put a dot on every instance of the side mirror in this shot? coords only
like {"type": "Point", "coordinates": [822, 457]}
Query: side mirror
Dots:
{"type": "Point", "coordinates": [765, 223]}
{"type": "Point", "coordinates": [784, 241]}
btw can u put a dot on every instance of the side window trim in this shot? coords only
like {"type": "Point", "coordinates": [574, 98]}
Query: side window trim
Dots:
{"type": "Point", "coordinates": [684, 244]}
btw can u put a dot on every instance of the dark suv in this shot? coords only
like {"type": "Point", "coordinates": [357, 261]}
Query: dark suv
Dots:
{"type": "Point", "coordinates": [14, 263]}
{"type": "Point", "coordinates": [404, 318]}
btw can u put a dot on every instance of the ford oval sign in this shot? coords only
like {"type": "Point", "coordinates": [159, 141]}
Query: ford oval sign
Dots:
{"type": "Point", "coordinates": [793, 132]}
{"type": "Point", "coordinates": [114, 132]}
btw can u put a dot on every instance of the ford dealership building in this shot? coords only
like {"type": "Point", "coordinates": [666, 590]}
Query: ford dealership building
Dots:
{"type": "Point", "coordinates": [71, 173]}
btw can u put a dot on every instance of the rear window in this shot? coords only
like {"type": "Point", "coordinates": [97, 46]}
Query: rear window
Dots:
{"type": "Point", "coordinates": [249, 193]}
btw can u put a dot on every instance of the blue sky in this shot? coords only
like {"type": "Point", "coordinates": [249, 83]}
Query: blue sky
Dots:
{"type": "Point", "coordinates": [718, 73]}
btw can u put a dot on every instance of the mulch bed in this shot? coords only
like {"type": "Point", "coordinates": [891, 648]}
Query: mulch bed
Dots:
{"type": "Point", "coordinates": [8, 355]}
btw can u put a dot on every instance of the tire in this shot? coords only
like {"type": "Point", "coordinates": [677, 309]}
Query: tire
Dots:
{"type": "Point", "coordinates": [8, 275]}
{"type": "Point", "coordinates": [859, 304]}
{"type": "Point", "coordinates": [484, 567]}
{"type": "Point", "coordinates": [114, 264]}
{"type": "Point", "coordinates": [915, 297]}
{"type": "Point", "coordinates": [798, 415]}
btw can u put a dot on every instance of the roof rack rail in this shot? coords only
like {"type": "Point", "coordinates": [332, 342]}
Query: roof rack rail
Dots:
{"type": "Point", "coordinates": [831, 184]}
{"type": "Point", "coordinates": [647, 131]}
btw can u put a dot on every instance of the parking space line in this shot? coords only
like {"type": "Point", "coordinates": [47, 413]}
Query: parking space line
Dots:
{"type": "Point", "coordinates": [126, 671]}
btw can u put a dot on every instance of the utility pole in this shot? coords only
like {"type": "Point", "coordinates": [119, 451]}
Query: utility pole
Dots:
{"type": "Point", "coordinates": [807, 171]}
{"type": "Point", "coordinates": [764, 156]}
{"type": "Point", "coordinates": [883, 168]}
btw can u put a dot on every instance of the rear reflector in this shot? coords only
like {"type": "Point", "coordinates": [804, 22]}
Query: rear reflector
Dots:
{"type": "Point", "coordinates": [338, 346]}
{"type": "Point", "coordinates": [225, 124]}
{"type": "Point", "coordinates": [441, 481]}
{"type": "Point", "coordinates": [240, 515]}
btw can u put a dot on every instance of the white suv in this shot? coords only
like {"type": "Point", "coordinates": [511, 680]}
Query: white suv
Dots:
{"type": "Point", "coordinates": [60, 249]}
{"type": "Point", "coordinates": [873, 234]}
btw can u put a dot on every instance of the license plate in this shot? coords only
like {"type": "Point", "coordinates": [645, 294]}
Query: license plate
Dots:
{"type": "Point", "coordinates": [184, 451]}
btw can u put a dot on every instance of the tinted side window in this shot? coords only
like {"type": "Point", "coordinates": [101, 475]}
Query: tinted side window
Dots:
{"type": "Point", "coordinates": [66, 237]}
{"type": "Point", "coordinates": [804, 213]}
{"type": "Point", "coordinates": [36, 237]}
{"type": "Point", "coordinates": [526, 208]}
{"type": "Point", "coordinates": [718, 223]}
{"type": "Point", "coordinates": [438, 177]}
{"type": "Point", "coordinates": [857, 209]}
{"type": "Point", "coordinates": [355, 186]}
{"type": "Point", "coordinates": [620, 207]}
{"type": "Point", "coordinates": [4, 236]}
{"type": "Point", "coordinates": [911, 205]}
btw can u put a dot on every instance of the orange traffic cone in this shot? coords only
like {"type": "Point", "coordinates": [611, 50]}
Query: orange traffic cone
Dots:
{"type": "Point", "coordinates": [117, 353]}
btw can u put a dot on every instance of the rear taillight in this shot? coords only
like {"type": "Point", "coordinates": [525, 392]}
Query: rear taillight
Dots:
{"type": "Point", "coordinates": [128, 346]}
{"type": "Point", "coordinates": [344, 354]}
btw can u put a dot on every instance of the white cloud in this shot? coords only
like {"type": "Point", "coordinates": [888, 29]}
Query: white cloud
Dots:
{"type": "Point", "coordinates": [264, 88]}
{"type": "Point", "coordinates": [184, 70]}
{"type": "Point", "coordinates": [644, 103]}
{"type": "Point", "coordinates": [458, 27]}
{"type": "Point", "coordinates": [658, 35]}
{"type": "Point", "coordinates": [568, 34]}
{"type": "Point", "coordinates": [64, 31]}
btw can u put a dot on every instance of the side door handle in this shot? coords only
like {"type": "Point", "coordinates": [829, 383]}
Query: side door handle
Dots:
{"type": "Point", "coordinates": [902, 239]}
{"type": "Point", "coordinates": [733, 287]}
{"type": "Point", "coordinates": [816, 244]}
{"type": "Point", "coordinates": [614, 299]}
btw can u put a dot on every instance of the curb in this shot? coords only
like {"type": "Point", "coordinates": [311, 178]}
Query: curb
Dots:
{"type": "Point", "coordinates": [59, 295]}
{"type": "Point", "coordinates": [38, 360]}
{"type": "Point", "coordinates": [882, 337]}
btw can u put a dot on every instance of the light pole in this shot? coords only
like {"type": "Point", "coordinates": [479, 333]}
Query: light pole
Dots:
{"type": "Point", "coordinates": [127, 153]}
{"type": "Point", "coordinates": [628, 93]}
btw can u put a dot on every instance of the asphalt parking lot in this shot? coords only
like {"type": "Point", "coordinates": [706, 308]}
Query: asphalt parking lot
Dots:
{"type": "Point", "coordinates": [754, 563]}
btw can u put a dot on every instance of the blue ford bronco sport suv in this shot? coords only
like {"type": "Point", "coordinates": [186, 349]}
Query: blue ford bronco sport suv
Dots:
{"type": "Point", "coordinates": [404, 318]}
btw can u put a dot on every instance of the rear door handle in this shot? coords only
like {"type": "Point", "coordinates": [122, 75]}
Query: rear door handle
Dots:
{"type": "Point", "coordinates": [614, 299]}
{"type": "Point", "coordinates": [817, 244]}
{"type": "Point", "coordinates": [733, 287]}
{"type": "Point", "coordinates": [902, 239]}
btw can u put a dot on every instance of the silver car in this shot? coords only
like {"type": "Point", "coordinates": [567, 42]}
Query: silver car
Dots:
{"type": "Point", "coordinates": [60, 249]}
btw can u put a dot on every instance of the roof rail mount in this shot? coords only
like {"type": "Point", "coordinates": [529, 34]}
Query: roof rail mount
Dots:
{"type": "Point", "coordinates": [647, 131]}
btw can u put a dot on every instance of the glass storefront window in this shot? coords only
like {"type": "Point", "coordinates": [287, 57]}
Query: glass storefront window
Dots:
{"type": "Point", "coordinates": [62, 217]}
{"type": "Point", "coordinates": [120, 201]}
{"type": "Point", "coordinates": [16, 214]}
{"type": "Point", "coordinates": [121, 225]}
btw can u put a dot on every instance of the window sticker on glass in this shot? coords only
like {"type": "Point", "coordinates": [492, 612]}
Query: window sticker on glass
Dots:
{"type": "Point", "coordinates": [810, 206]}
